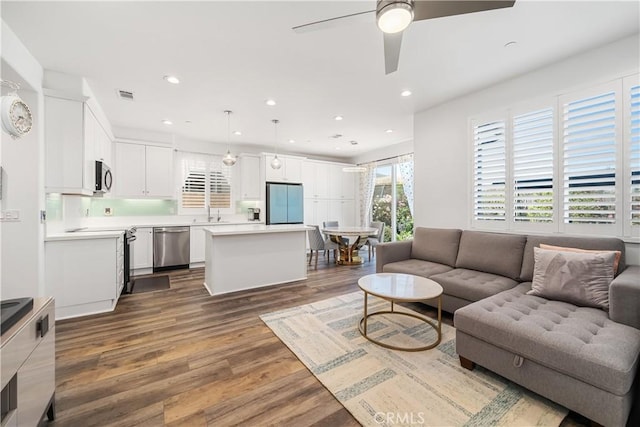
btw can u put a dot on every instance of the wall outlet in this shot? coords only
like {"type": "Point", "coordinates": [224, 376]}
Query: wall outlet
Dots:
{"type": "Point", "coordinates": [108, 212]}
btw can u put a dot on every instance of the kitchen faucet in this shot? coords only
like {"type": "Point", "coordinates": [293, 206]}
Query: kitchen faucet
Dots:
{"type": "Point", "coordinates": [218, 218]}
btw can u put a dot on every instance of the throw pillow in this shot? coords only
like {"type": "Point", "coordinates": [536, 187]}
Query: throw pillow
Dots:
{"type": "Point", "coordinates": [579, 278]}
{"type": "Point", "coordinates": [616, 262]}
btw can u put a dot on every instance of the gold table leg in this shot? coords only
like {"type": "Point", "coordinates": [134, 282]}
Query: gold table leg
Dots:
{"type": "Point", "coordinates": [362, 325]}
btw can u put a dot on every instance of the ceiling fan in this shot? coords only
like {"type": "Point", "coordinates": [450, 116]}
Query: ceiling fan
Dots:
{"type": "Point", "coordinates": [394, 16]}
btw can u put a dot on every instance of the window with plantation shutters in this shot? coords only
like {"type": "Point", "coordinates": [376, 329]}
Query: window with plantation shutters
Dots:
{"type": "Point", "coordinates": [533, 166]}
{"type": "Point", "coordinates": [220, 186]}
{"type": "Point", "coordinates": [589, 160]}
{"type": "Point", "coordinates": [633, 135]}
{"type": "Point", "coordinates": [489, 171]}
{"type": "Point", "coordinates": [205, 183]}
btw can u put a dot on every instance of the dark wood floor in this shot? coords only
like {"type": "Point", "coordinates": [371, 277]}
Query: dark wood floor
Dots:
{"type": "Point", "coordinates": [183, 357]}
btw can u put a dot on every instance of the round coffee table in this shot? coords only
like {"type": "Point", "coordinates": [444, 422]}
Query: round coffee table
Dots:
{"type": "Point", "coordinates": [396, 287]}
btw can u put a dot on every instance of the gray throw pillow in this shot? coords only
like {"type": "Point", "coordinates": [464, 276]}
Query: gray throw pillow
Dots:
{"type": "Point", "coordinates": [582, 279]}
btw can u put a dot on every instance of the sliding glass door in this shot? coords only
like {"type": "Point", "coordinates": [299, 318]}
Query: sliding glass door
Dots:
{"type": "Point", "coordinates": [390, 204]}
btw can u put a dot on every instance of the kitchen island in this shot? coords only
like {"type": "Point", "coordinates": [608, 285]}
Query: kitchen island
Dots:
{"type": "Point", "coordinates": [239, 257]}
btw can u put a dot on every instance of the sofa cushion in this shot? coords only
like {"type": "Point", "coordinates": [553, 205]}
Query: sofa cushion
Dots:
{"type": "Point", "coordinates": [472, 285]}
{"type": "Point", "coordinates": [416, 267]}
{"type": "Point", "coordinates": [601, 243]}
{"type": "Point", "coordinates": [582, 279]}
{"type": "Point", "coordinates": [491, 252]}
{"type": "Point", "coordinates": [436, 244]}
{"type": "Point", "coordinates": [581, 342]}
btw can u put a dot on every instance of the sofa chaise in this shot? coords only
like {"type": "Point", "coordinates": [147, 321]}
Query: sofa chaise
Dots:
{"type": "Point", "coordinates": [582, 357]}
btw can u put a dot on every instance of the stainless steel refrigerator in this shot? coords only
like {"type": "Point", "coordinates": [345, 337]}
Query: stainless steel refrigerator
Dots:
{"type": "Point", "coordinates": [285, 203]}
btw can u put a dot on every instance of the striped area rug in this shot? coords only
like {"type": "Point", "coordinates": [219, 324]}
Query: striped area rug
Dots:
{"type": "Point", "coordinates": [382, 387]}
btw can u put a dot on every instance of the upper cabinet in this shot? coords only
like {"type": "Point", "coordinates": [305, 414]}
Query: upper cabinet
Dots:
{"type": "Point", "coordinates": [250, 183]}
{"type": "Point", "coordinates": [341, 183]}
{"type": "Point", "coordinates": [74, 140]}
{"type": "Point", "coordinates": [142, 171]}
{"type": "Point", "coordinates": [315, 177]}
{"type": "Point", "coordinates": [290, 171]}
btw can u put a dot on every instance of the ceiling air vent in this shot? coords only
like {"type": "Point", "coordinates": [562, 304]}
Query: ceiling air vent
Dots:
{"type": "Point", "coordinates": [125, 94]}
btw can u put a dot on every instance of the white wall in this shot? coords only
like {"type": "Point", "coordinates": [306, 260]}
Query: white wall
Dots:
{"type": "Point", "coordinates": [441, 140]}
{"type": "Point", "coordinates": [23, 181]}
{"type": "Point", "coordinates": [384, 153]}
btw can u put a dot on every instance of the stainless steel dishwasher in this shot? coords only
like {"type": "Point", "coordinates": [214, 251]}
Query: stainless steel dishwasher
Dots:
{"type": "Point", "coordinates": [170, 248]}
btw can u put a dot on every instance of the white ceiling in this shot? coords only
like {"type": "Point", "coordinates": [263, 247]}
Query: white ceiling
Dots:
{"type": "Point", "coordinates": [235, 55]}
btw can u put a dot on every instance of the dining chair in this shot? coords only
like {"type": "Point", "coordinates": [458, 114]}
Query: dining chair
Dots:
{"type": "Point", "coordinates": [318, 243]}
{"type": "Point", "coordinates": [373, 240]}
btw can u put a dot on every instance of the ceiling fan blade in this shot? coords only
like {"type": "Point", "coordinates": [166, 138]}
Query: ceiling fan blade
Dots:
{"type": "Point", "coordinates": [429, 9]}
{"type": "Point", "coordinates": [332, 22]}
{"type": "Point", "coordinates": [392, 43]}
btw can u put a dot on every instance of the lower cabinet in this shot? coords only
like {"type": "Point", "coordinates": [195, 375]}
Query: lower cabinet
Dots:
{"type": "Point", "coordinates": [142, 249]}
{"type": "Point", "coordinates": [85, 276]}
{"type": "Point", "coordinates": [197, 244]}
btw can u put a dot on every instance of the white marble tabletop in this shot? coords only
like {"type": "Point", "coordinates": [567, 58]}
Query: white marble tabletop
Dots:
{"type": "Point", "coordinates": [400, 287]}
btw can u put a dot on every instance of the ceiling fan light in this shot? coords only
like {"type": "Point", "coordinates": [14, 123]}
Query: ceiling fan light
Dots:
{"type": "Point", "coordinates": [394, 16]}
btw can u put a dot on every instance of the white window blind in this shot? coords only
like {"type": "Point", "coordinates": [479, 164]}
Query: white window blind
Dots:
{"type": "Point", "coordinates": [634, 156]}
{"type": "Point", "coordinates": [533, 167]}
{"type": "Point", "coordinates": [589, 160]}
{"type": "Point", "coordinates": [220, 186]}
{"type": "Point", "coordinates": [489, 176]}
{"type": "Point", "coordinates": [206, 182]}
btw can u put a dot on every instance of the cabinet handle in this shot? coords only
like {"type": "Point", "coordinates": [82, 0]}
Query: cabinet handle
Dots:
{"type": "Point", "coordinates": [42, 326]}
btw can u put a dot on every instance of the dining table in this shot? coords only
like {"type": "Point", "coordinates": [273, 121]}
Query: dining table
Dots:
{"type": "Point", "coordinates": [349, 239]}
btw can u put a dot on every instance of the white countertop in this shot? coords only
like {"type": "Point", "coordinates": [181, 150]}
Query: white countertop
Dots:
{"type": "Point", "coordinates": [80, 235]}
{"type": "Point", "coordinates": [230, 229]}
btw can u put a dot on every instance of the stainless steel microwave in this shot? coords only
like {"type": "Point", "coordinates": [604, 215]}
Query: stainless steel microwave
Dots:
{"type": "Point", "coordinates": [104, 178]}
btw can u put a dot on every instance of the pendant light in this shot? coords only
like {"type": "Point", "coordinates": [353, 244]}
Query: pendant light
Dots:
{"type": "Point", "coordinates": [229, 159]}
{"type": "Point", "coordinates": [276, 163]}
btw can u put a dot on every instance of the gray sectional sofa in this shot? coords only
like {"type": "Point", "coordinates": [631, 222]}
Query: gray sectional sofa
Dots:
{"type": "Point", "coordinates": [583, 358]}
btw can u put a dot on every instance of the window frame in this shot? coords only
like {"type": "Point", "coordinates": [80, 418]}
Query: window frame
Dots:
{"type": "Point", "coordinates": [209, 160]}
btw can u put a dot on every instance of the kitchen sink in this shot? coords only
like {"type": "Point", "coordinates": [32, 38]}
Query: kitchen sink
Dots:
{"type": "Point", "coordinates": [12, 310]}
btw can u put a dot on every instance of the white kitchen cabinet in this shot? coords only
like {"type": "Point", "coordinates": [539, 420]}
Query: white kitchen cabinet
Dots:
{"type": "Point", "coordinates": [69, 155]}
{"type": "Point", "coordinates": [250, 183]}
{"type": "Point", "coordinates": [341, 184]}
{"type": "Point", "coordinates": [142, 171]}
{"type": "Point", "coordinates": [315, 177]}
{"type": "Point", "coordinates": [342, 211]}
{"type": "Point", "coordinates": [84, 275]}
{"type": "Point", "coordinates": [103, 144]}
{"type": "Point", "coordinates": [142, 249]}
{"type": "Point", "coordinates": [316, 211]}
{"type": "Point", "coordinates": [196, 244]}
{"type": "Point", "coordinates": [290, 171]}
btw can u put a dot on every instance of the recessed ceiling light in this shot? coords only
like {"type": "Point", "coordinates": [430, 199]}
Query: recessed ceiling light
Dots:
{"type": "Point", "coordinates": [167, 122]}
{"type": "Point", "coordinates": [172, 79]}
{"type": "Point", "coordinates": [510, 44]}
{"type": "Point", "coordinates": [338, 118]}
{"type": "Point", "coordinates": [270, 102]}
{"type": "Point", "coordinates": [337, 148]}
{"type": "Point", "coordinates": [389, 130]}
{"type": "Point", "coordinates": [292, 141]}
{"type": "Point", "coordinates": [405, 93]}
{"type": "Point", "coordinates": [237, 132]}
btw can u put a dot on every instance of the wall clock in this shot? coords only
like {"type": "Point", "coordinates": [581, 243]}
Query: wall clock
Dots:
{"type": "Point", "coordinates": [15, 115]}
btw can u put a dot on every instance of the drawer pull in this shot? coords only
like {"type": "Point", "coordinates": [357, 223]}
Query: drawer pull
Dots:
{"type": "Point", "coordinates": [42, 326]}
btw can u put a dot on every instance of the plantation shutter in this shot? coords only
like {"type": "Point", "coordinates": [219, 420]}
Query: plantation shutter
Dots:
{"type": "Point", "coordinates": [220, 185]}
{"type": "Point", "coordinates": [533, 193]}
{"type": "Point", "coordinates": [589, 160]}
{"type": "Point", "coordinates": [193, 188]}
{"type": "Point", "coordinates": [634, 156]}
{"type": "Point", "coordinates": [489, 171]}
